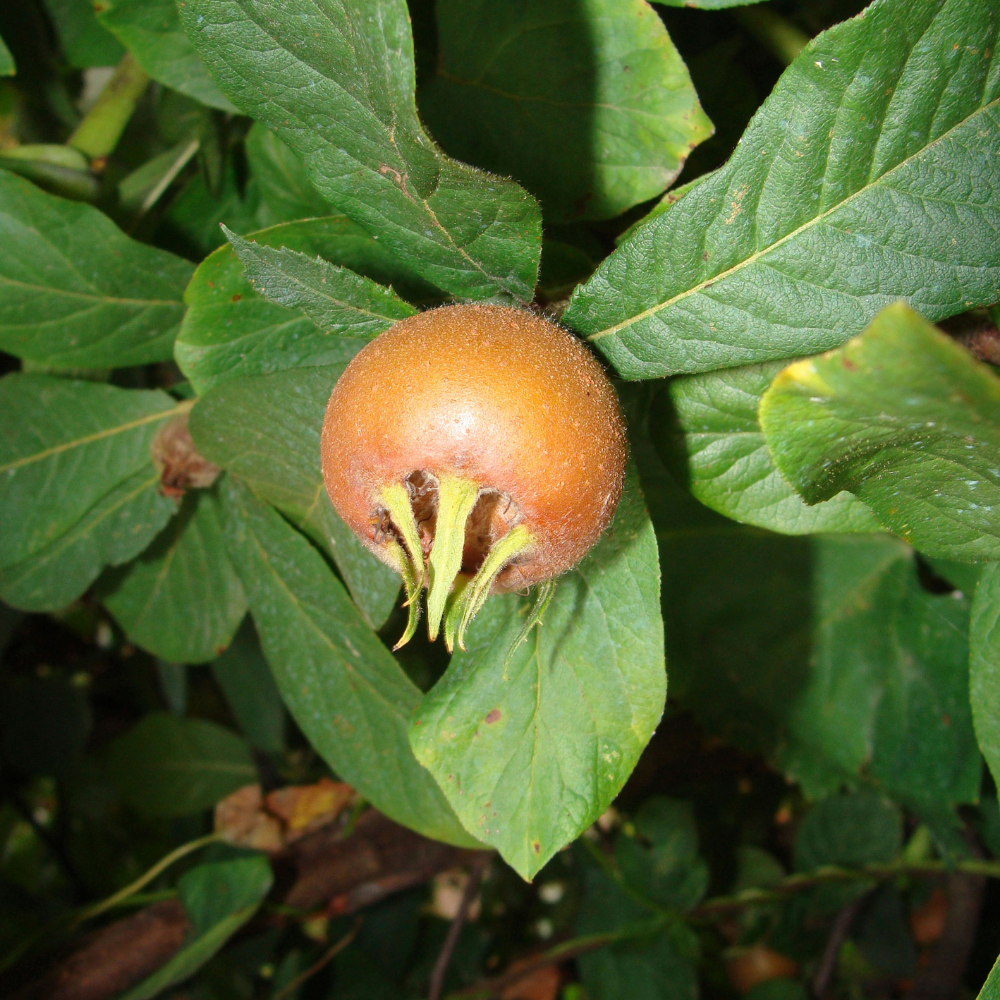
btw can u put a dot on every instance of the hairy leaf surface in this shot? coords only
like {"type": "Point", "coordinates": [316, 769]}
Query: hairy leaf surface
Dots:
{"type": "Point", "coordinates": [336, 299]}
{"type": "Point", "coordinates": [231, 331]}
{"type": "Point", "coordinates": [347, 693]}
{"type": "Point", "coordinates": [531, 752]}
{"type": "Point", "coordinates": [588, 104]}
{"type": "Point", "coordinates": [906, 419]}
{"type": "Point", "coordinates": [75, 291]}
{"type": "Point", "coordinates": [335, 80]}
{"type": "Point", "coordinates": [871, 173]}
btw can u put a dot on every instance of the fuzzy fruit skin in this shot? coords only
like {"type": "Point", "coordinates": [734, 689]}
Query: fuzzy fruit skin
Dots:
{"type": "Point", "coordinates": [494, 394]}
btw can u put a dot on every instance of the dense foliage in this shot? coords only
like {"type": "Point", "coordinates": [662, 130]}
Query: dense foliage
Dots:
{"type": "Point", "coordinates": [218, 781]}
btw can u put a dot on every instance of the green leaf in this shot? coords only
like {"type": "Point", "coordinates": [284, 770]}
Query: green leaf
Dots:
{"type": "Point", "coordinates": [756, 869]}
{"type": "Point", "coordinates": [212, 892]}
{"type": "Point", "coordinates": [711, 440]}
{"type": "Point", "coordinates": [906, 419]}
{"type": "Point", "coordinates": [962, 576]}
{"type": "Point", "coordinates": [648, 967]}
{"type": "Point", "coordinates": [248, 685]}
{"type": "Point", "coordinates": [991, 988]}
{"type": "Point", "coordinates": [888, 688]}
{"type": "Point", "coordinates": [661, 859]}
{"type": "Point", "coordinates": [230, 331]}
{"type": "Point", "coordinates": [588, 104]}
{"type": "Point", "coordinates": [348, 695]}
{"type": "Point", "coordinates": [835, 663]}
{"type": "Point", "coordinates": [984, 666]}
{"type": "Point", "coordinates": [116, 529]}
{"type": "Point", "coordinates": [7, 67]}
{"type": "Point", "coordinates": [151, 30]}
{"type": "Point", "coordinates": [193, 218]}
{"type": "Point", "coordinates": [139, 192]}
{"type": "Point", "coordinates": [285, 188]}
{"type": "Point", "coordinates": [851, 831]}
{"type": "Point", "coordinates": [82, 39]}
{"type": "Point", "coordinates": [182, 600]}
{"type": "Point", "coordinates": [337, 300]}
{"type": "Point", "coordinates": [219, 898]}
{"type": "Point", "coordinates": [841, 197]}
{"type": "Point", "coordinates": [77, 292]}
{"type": "Point", "coordinates": [266, 431]}
{"type": "Point", "coordinates": [77, 482]}
{"type": "Point", "coordinates": [336, 83]}
{"type": "Point", "coordinates": [172, 766]}
{"type": "Point", "coordinates": [531, 751]}
{"type": "Point", "coordinates": [705, 4]}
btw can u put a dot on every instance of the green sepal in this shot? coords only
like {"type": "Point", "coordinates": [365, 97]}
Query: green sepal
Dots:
{"type": "Point", "coordinates": [453, 613]}
{"type": "Point", "coordinates": [396, 498]}
{"type": "Point", "coordinates": [542, 598]}
{"type": "Point", "coordinates": [514, 542]}
{"type": "Point", "coordinates": [456, 498]}
{"type": "Point", "coordinates": [404, 566]}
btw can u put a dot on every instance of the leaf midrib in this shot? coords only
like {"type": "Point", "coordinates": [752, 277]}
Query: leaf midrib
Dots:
{"type": "Point", "coordinates": [759, 254]}
{"type": "Point", "coordinates": [458, 81]}
{"type": "Point", "coordinates": [423, 206]}
{"type": "Point", "coordinates": [107, 432]}
{"type": "Point", "coordinates": [339, 303]}
{"type": "Point", "coordinates": [104, 299]}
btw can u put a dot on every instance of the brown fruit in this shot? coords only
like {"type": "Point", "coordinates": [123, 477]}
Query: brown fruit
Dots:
{"type": "Point", "coordinates": [469, 442]}
{"type": "Point", "coordinates": [758, 964]}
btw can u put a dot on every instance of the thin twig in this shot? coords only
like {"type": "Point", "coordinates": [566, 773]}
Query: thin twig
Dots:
{"type": "Point", "coordinates": [145, 879]}
{"type": "Point", "coordinates": [798, 882]}
{"type": "Point", "coordinates": [561, 952]}
{"type": "Point", "coordinates": [295, 983]}
{"type": "Point", "coordinates": [448, 948]}
{"type": "Point", "coordinates": [838, 934]}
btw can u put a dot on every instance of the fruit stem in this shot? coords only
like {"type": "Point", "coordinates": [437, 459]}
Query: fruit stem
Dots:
{"type": "Point", "coordinates": [503, 551]}
{"type": "Point", "coordinates": [456, 498]}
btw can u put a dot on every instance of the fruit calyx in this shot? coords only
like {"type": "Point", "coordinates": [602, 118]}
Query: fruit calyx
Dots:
{"type": "Point", "coordinates": [441, 535]}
